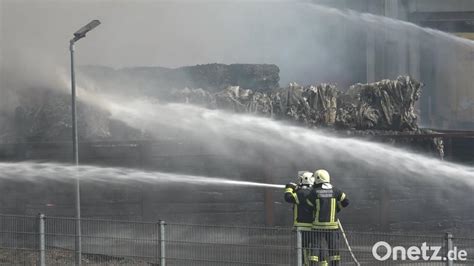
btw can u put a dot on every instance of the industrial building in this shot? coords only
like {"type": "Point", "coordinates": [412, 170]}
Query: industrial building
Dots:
{"type": "Point", "coordinates": [446, 69]}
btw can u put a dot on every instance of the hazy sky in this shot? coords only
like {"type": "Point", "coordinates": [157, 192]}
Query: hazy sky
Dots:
{"type": "Point", "coordinates": [35, 35]}
{"type": "Point", "coordinates": [132, 32]}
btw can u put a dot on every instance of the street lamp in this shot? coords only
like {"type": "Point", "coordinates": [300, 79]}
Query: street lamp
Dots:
{"type": "Point", "coordinates": [81, 33]}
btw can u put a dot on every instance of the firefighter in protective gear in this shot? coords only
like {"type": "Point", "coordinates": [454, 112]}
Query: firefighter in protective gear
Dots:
{"type": "Point", "coordinates": [302, 211]}
{"type": "Point", "coordinates": [327, 201]}
{"type": "Point", "coordinates": [298, 195]}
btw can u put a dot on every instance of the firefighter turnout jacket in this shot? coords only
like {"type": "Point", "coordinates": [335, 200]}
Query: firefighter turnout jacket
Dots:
{"type": "Point", "coordinates": [327, 201]}
{"type": "Point", "coordinates": [302, 211]}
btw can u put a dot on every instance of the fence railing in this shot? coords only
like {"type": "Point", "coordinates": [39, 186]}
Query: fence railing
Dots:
{"type": "Point", "coordinates": [40, 240]}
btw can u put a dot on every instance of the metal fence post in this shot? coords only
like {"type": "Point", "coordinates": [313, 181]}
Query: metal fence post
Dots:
{"type": "Point", "coordinates": [449, 247]}
{"type": "Point", "coordinates": [299, 248]}
{"type": "Point", "coordinates": [42, 249]}
{"type": "Point", "coordinates": [162, 244]}
{"type": "Point", "coordinates": [156, 243]}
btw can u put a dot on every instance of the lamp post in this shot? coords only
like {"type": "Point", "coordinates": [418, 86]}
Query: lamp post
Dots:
{"type": "Point", "coordinates": [81, 33]}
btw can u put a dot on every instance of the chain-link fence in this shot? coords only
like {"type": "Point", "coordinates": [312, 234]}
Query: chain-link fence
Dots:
{"type": "Point", "coordinates": [30, 240]}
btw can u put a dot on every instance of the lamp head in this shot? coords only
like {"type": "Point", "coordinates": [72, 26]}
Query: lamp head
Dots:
{"type": "Point", "coordinates": [81, 33]}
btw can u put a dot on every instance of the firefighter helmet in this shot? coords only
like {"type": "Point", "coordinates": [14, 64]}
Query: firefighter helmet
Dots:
{"type": "Point", "coordinates": [305, 178]}
{"type": "Point", "coordinates": [322, 176]}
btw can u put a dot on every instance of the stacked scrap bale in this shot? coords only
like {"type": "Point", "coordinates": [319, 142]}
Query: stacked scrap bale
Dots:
{"type": "Point", "coordinates": [383, 105]}
{"type": "Point", "coordinates": [376, 109]}
{"type": "Point", "coordinates": [312, 105]}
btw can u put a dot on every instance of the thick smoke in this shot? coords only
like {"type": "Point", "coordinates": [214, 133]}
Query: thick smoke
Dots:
{"type": "Point", "coordinates": [309, 43]}
{"type": "Point", "coordinates": [173, 34]}
{"type": "Point", "coordinates": [35, 37]}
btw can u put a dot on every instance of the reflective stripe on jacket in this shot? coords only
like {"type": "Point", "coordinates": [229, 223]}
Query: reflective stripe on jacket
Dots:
{"type": "Point", "coordinates": [327, 202]}
{"type": "Point", "coordinates": [302, 211]}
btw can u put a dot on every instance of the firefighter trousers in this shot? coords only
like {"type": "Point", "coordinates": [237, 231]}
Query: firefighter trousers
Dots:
{"type": "Point", "coordinates": [326, 245]}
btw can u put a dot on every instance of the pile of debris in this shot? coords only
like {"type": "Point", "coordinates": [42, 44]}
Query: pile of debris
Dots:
{"type": "Point", "coordinates": [382, 108]}
{"type": "Point", "coordinates": [379, 110]}
{"type": "Point", "coordinates": [384, 105]}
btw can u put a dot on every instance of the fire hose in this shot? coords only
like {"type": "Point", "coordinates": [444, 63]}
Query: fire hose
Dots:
{"type": "Point", "coordinates": [347, 243]}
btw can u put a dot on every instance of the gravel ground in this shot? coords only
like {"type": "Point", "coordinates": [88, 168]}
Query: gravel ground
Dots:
{"type": "Point", "coordinates": [63, 257]}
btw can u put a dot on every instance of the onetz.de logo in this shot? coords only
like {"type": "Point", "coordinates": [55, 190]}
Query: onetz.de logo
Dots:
{"type": "Point", "coordinates": [383, 251]}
